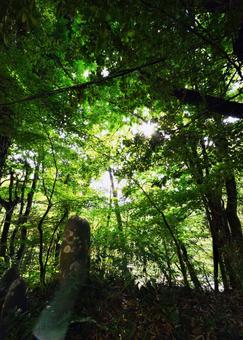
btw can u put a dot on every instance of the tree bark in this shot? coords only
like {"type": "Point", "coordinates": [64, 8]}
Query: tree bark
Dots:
{"type": "Point", "coordinates": [231, 212]}
{"type": "Point", "coordinates": [6, 226]}
{"type": "Point", "coordinates": [190, 267]}
{"type": "Point", "coordinates": [4, 146]}
{"type": "Point", "coordinates": [182, 265]}
{"type": "Point", "coordinates": [224, 277]}
{"type": "Point", "coordinates": [9, 205]}
{"type": "Point", "coordinates": [222, 236]}
{"type": "Point", "coordinates": [25, 217]}
{"type": "Point", "coordinates": [211, 103]}
{"type": "Point", "coordinates": [5, 141]}
{"type": "Point", "coordinates": [115, 200]}
{"type": "Point", "coordinates": [41, 244]}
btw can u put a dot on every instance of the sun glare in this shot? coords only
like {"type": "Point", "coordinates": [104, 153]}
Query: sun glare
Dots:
{"type": "Point", "coordinates": [86, 73]}
{"type": "Point", "coordinates": [103, 184]}
{"type": "Point", "coordinates": [105, 72]}
{"type": "Point", "coordinates": [147, 129]}
{"type": "Point", "coordinates": [230, 120]}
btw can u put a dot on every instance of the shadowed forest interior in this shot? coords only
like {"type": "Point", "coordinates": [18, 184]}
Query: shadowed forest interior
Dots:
{"type": "Point", "coordinates": [121, 153]}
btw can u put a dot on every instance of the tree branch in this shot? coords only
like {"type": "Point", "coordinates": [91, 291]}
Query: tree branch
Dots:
{"type": "Point", "coordinates": [83, 86]}
{"type": "Point", "coordinates": [213, 104]}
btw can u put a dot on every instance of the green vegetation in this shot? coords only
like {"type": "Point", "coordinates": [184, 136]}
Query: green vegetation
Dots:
{"type": "Point", "coordinates": [128, 114]}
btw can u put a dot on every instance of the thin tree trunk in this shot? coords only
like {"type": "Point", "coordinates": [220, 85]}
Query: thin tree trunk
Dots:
{"type": "Point", "coordinates": [171, 232]}
{"type": "Point", "coordinates": [4, 146]}
{"type": "Point", "coordinates": [25, 217]}
{"type": "Point", "coordinates": [4, 236]}
{"type": "Point", "coordinates": [21, 209]}
{"type": "Point", "coordinates": [223, 246]}
{"type": "Point", "coordinates": [225, 279]}
{"type": "Point", "coordinates": [41, 245]}
{"type": "Point", "coordinates": [190, 267]}
{"type": "Point", "coordinates": [215, 264]}
{"type": "Point", "coordinates": [223, 239]}
{"type": "Point", "coordinates": [182, 266]}
{"type": "Point", "coordinates": [168, 262]}
{"type": "Point", "coordinates": [9, 205]}
{"type": "Point", "coordinates": [63, 218]}
{"type": "Point", "coordinates": [109, 211]}
{"type": "Point", "coordinates": [231, 212]}
{"type": "Point", "coordinates": [214, 247]}
{"type": "Point", "coordinates": [115, 200]}
{"type": "Point", "coordinates": [42, 220]}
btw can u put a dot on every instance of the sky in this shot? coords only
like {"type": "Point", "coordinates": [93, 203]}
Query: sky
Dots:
{"type": "Point", "coordinates": [103, 183]}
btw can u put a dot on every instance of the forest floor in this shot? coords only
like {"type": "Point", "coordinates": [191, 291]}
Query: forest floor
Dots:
{"type": "Point", "coordinates": [114, 309]}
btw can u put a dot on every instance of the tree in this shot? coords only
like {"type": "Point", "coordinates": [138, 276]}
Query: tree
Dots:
{"type": "Point", "coordinates": [81, 74]}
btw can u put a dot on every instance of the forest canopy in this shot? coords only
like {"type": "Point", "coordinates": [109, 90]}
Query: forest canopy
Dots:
{"type": "Point", "coordinates": [76, 80]}
{"type": "Point", "coordinates": [129, 114]}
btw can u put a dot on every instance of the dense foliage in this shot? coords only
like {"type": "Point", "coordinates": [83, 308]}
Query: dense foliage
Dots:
{"type": "Point", "coordinates": [127, 113]}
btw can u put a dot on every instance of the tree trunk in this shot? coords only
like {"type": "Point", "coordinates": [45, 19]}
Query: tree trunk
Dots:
{"type": "Point", "coordinates": [212, 104]}
{"type": "Point", "coordinates": [4, 236]}
{"type": "Point", "coordinates": [231, 213]}
{"type": "Point", "coordinates": [215, 264]}
{"type": "Point", "coordinates": [26, 214]}
{"type": "Point", "coordinates": [222, 237]}
{"type": "Point", "coordinates": [23, 215]}
{"type": "Point", "coordinates": [4, 146]}
{"type": "Point", "coordinates": [223, 247]}
{"type": "Point", "coordinates": [9, 205]}
{"type": "Point", "coordinates": [168, 263]}
{"type": "Point", "coordinates": [115, 200]}
{"type": "Point", "coordinates": [59, 223]}
{"type": "Point", "coordinates": [225, 279]}
{"type": "Point", "coordinates": [74, 266]}
{"type": "Point", "coordinates": [182, 266]}
{"type": "Point", "coordinates": [214, 247]}
{"type": "Point", "coordinates": [41, 245]}
{"type": "Point", "coordinates": [190, 267]}
{"type": "Point", "coordinates": [234, 254]}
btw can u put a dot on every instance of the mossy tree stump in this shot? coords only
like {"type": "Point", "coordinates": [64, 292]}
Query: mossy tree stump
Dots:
{"type": "Point", "coordinates": [74, 269]}
{"type": "Point", "coordinates": [74, 254]}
